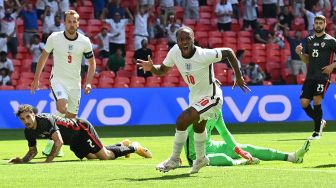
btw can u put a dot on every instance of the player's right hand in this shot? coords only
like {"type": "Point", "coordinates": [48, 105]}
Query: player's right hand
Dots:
{"type": "Point", "coordinates": [34, 86]}
{"type": "Point", "coordinates": [145, 65]}
{"type": "Point", "coordinates": [298, 49]}
{"type": "Point", "coordinates": [15, 160]}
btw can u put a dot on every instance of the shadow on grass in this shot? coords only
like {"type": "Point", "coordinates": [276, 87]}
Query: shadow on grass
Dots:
{"type": "Point", "coordinates": [41, 162]}
{"type": "Point", "coordinates": [326, 166]}
{"type": "Point", "coordinates": [164, 177]}
{"type": "Point", "coordinates": [286, 140]}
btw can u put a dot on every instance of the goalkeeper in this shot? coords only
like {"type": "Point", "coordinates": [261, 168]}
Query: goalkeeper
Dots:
{"type": "Point", "coordinates": [222, 153]}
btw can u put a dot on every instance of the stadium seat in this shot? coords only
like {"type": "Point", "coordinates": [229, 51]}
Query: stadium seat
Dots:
{"type": "Point", "coordinates": [120, 85]}
{"type": "Point", "coordinates": [170, 79]}
{"type": "Point", "coordinates": [27, 75]}
{"type": "Point", "coordinates": [274, 70]}
{"type": "Point", "coordinates": [137, 85]}
{"type": "Point", "coordinates": [247, 34]}
{"type": "Point", "coordinates": [105, 80]}
{"type": "Point", "coordinates": [189, 22]}
{"type": "Point", "coordinates": [153, 79]}
{"type": "Point", "coordinates": [5, 87]}
{"type": "Point", "coordinates": [122, 80]}
{"type": "Point", "coordinates": [258, 46]}
{"type": "Point", "coordinates": [168, 84]}
{"type": "Point", "coordinates": [85, 12]}
{"type": "Point", "coordinates": [216, 34]}
{"type": "Point", "coordinates": [267, 83]}
{"type": "Point", "coordinates": [244, 40]}
{"type": "Point", "coordinates": [138, 79]}
{"type": "Point", "coordinates": [95, 22]}
{"type": "Point", "coordinates": [124, 73]}
{"type": "Point", "coordinates": [152, 84]}
{"type": "Point", "coordinates": [215, 42]}
{"type": "Point", "coordinates": [229, 34]}
{"type": "Point", "coordinates": [22, 87]}
{"type": "Point", "coordinates": [205, 15]}
{"type": "Point", "coordinates": [201, 34]}
{"type": "Point", "coordinates": [109, 74]}
{"type": "Point", "coordinates": [105, 85]}
{"type": "Point", "coordinates": [300, 78]}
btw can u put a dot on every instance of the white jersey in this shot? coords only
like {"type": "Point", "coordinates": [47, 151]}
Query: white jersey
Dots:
{"type": "Point", "coordinates": [197, 71]}
{"type": "Point", "coordinates": [68, 55]}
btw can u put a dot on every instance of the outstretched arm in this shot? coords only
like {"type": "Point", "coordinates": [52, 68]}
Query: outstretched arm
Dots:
{"type": "Point", "coordinates": [90, 74]}
{"type": "Point", "coordinates": [58, 142]}
{"type": "Point", "coordinates": [159, 70]}
{"type": "Point", "coordinates": [32, 152]}
{"type": "Point", "coordinates": [227, 53]}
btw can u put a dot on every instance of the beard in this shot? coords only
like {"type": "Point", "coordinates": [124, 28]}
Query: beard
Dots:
{"type": "Point", "coordinates": [318, 30]}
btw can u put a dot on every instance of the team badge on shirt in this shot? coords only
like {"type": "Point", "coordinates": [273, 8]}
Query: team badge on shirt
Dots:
{"type": "Point", "coordinates": [323, 44]}
{"type": "Point", "coordinates": [188, 66]}
{"type": "Point", "coordinates": [70, 47]}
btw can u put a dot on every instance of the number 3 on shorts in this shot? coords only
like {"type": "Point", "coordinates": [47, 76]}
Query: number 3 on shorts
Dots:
{"type": "Point", "coordinates": [90, 143]}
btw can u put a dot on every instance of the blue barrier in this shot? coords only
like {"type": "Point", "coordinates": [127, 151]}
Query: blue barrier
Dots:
{"type": "Point", "coordinates": [153, 106]}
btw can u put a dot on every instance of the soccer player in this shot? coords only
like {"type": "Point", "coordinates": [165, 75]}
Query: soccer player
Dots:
{"type": "Point", "coordinates": [79, 134]}
{"type": "Point", "coordinates": [318, 54]}
{"type": "Point", "coordinates": [220, 153]}
{"type": "Point", "coordinates": [196, 66]}
{"type": "Point", "coordinates": [68, 48]}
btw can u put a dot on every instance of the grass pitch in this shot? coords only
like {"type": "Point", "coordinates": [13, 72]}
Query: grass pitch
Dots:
{"type": "Point", "coordinates": [317, 170]}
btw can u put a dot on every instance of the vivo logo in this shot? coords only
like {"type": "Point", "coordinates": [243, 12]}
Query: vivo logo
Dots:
{"type": "Point", "coordinates": [88, 109]}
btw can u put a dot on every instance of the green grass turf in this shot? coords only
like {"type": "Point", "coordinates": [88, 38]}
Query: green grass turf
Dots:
{"type": "Point", "coordinates": [318, 169]}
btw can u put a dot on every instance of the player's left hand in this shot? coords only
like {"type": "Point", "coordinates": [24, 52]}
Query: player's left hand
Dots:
{"type": "Point", "coordinates": [328, 69]}
{"type": "Point", "coordinates": [15, 160]}
{"type": "Point", "coordinates": [241, 83]}
{"type": "Point", "coordinates": [87, 89]}
{"type": "Point", "coordinates": [145, 65]}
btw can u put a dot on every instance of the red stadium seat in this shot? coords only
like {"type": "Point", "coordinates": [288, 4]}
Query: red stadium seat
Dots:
{"type": "Point", "coordinates": [215, 42]}
{"type": "Point", "coordinates": [124, 73]}
{"type": "Point", "coordinates": [300, 78]}
{"type": "Point", "coordinates": [104, 85]}
{"type": "Point", "coordinates": [152, 84]}
{"type": "Point", "coordinates": [153, 79]}
{"type": "Point", "coordinates": [137, 85]}
{"type": "Point", "coordinates": [216, 34]}
{"type": "Point", "coordinates": [137, 79]}
{"type": "Point", "coordinates": [110, 74]}
{"type": "Point", "coordinates": [120, 85]}
{"type": "Point", "coordinates": [7, 87]}
{"type": "Point", "coordinates": [23, 87]}
{"type": "Point", "coordinates": [170, 79]}
{"type": "Point", "coordinates": [27, 75]}
{"type": "Point", "coordinates": [168, 84]}
{"type": "Point", "coordinates": [124, 80]}
{"type": "Point", "coordinates": [106, 80]}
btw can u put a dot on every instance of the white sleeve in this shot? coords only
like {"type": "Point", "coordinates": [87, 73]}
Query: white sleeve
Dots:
{"type": "Point", "coordinates": [169, 60]}
{"type": "Point", "coordinates": [212, 55]}
{"type": "Point", "coordinates": [49, 44]}
{"type": "Point", "coordinates": [88, 46]}
{"type": "Point", "coordinates": [217, 9]}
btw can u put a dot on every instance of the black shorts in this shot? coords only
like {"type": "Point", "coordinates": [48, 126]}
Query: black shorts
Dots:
{"type": "Point", "coordinates": [313, 88]}
{"type": "Point", "coordinates": [86, 140]}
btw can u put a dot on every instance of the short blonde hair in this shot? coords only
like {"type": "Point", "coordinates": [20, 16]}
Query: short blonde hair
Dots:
{"type": "Point", "coordinates": [71, 12]}
{"type": "Point", "coordinates": [24, 108]}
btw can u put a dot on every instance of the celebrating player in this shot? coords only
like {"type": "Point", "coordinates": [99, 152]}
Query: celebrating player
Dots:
{"type": "Point", "coordinates": [68, 48]}
{"type": "Point", "coordinates": [79, 134]}
{"type": "Point", "coordinates": [220, 153]}
{"type": "Point", "coordinates": [318, 54]}
{"type": "Point", "coordinates": [196, 66]}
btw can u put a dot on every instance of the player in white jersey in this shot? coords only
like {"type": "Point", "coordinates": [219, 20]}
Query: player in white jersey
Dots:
{"type": "Point", "coordinates": [68, 48]}
{"type": "Point", "coordinates": [196, 66]}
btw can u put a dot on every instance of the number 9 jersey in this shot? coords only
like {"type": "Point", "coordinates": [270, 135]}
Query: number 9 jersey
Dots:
{"type": "Point", "coordinates": [68, 55]}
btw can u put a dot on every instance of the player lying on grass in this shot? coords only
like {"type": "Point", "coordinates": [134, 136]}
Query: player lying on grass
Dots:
{"type": "Point", "coordinates": [222, 153]}
{"type": "Point", "coordinates": [79, 134]}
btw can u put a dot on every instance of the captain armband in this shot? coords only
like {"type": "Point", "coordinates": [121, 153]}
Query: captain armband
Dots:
{"type": "Point", "coordinates": [88, 55]}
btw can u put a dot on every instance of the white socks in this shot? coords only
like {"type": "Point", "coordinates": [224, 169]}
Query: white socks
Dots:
{"type": "Point", "coordinates": [291, 157]}
{"type": "Point", "coordinates": [200, 139]}
{"type": "Point", "coordinates": [180, 139]}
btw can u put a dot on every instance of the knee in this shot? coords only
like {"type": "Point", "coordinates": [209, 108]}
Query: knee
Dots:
{"type": "Point", "coordinates": [304, 104]}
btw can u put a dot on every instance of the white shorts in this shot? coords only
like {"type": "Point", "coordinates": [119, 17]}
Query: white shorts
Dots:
{"type": "Point", "coordinates": [208, 107]}
{"type": "Point", "coordinates": [71, 95]}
